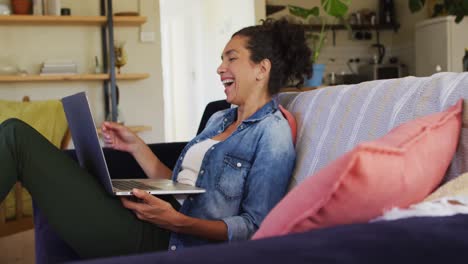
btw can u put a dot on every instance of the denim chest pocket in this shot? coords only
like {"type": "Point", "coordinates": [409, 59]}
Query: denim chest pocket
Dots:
{"type": "Point", "coordinates": [231, 181]}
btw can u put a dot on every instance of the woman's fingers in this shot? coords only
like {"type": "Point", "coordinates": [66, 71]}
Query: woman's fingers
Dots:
{"type": "Point", "coordinates": [134, 206]}
{"type": "Point", "coordinates": [114, 126]}
{"type": "Point", "coordinates": [108, 138]}
{"type": "Point", "coordinates": [146, 197]}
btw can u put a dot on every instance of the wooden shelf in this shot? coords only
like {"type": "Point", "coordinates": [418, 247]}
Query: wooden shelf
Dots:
{"type": "Point", "coordinates": [138, 129]}
{"type": "Point", "coordinates": [70, 77]}
{"type": "Point", "coordinates": [353, 27]}
{"type": "Point", "coordinates": [70, 20]}
{"type": "Point", "coordinates": [271, 9]}
{"type": "Point", "coordinates": [135, 129]}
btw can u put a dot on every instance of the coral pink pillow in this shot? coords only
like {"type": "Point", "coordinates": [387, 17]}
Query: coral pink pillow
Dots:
{"type": "Point", "coordinates": [291, 121]}
{"type": "Point", "coordinates": [398, 169]}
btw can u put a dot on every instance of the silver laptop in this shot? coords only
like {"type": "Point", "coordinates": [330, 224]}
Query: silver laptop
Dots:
{"type": "Point", "coordinates": [91, 157]}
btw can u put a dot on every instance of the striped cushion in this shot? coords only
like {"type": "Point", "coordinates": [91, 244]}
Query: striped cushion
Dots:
{"type": "Point", "coordinates": [331, 121]}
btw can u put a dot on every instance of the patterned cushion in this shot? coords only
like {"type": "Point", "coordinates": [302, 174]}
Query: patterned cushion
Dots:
{"type": "Point", "coordinates": [351, 189]}
{"type": "Point", "coordinates": [455, 187]}
{"type": "Point", "coordinates": [333, 120]}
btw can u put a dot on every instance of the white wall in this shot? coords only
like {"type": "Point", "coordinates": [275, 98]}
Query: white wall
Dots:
{"type": "Point", "coordinates": [260, 10]}
{"type": "Point", "coordinates": [141, 101]}
{"type": "Point", "coordinates": [221, 19]}
{"type": "Point", "coordinates": [403, 42]}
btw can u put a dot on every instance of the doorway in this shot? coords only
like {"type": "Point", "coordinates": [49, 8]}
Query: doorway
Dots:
{"type": "Point", "coordinates": [193, 35]}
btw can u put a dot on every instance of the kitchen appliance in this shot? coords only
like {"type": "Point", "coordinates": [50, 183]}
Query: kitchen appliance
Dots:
{"type": "Point", "coordinates": [440, 44]}
{"type": "Point", "coordinates": [380, 71]}
{"type": "Point", "coordinates": [386, 12]}
{"type": "Point", "coordinates": [378, 51]}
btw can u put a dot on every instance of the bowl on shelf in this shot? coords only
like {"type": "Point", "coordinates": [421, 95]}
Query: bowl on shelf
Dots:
{"type": "Point", "coordinates": [4, 10]}
{"type": "Point", "coordinates": [8, 70]}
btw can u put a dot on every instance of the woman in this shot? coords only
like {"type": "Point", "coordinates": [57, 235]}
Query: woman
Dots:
{"type": "Point", "coordinates": [244, 159]}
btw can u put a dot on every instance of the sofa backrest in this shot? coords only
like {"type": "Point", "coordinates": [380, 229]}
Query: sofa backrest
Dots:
{"type": "Point", "coordinates": [332, 120]}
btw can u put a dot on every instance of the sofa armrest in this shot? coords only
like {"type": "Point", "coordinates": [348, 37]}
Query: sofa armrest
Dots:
{"type": "Point", "coordinates": [50, 248]}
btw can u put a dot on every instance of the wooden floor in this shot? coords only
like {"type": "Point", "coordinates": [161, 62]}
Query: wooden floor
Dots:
{"type": "Point", "coordinates": [18, 248]}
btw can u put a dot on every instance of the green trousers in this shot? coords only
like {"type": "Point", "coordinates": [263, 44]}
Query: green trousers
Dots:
{"type": "Point", "coordinates": [92, 222]}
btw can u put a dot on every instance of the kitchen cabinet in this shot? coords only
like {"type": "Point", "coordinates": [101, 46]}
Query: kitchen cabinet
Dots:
{"type": "Point", "coordinates": [440, 45]}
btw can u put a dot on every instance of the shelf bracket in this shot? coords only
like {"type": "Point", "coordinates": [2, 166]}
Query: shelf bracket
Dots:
{"type": "Point", "coordinates": [105, 63]}
{"type": "Point", "coordinates": [334, 37]}
{"type": "Point", "coordinates": [377, 35]}
{"type": "Point", "coordinates": [110, 39]}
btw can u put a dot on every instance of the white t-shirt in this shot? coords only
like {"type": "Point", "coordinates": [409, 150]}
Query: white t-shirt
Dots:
{"type": "Point", "coordinates": [191, 164]}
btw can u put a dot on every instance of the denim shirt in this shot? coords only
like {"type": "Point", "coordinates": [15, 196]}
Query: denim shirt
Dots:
{"type": "Point", "coordinates": [244, 176]}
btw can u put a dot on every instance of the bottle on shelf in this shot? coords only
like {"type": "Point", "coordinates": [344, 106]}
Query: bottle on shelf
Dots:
{"type": "Point", "coordinates": [37, 8]}
{"type": "Point", "coordinates": [465, 61]}
{"type": "Point", "coordinates": [53, 7]}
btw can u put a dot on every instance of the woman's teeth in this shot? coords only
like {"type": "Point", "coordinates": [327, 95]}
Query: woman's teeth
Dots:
{"type": "Point", "coordinates": [228, 82]}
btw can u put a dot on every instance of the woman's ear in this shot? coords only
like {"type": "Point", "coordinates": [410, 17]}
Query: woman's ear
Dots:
{"type": "Point", "coordinates": [265, 68]}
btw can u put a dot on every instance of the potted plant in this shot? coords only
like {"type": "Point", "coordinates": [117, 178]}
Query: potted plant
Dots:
{"type": "Point", "coordinates": [334, 8]}
{"type": "Point", "coordinates": [457, 8]}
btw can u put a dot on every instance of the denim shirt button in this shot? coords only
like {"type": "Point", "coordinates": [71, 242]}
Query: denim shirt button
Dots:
{"type": "Point", "coordinates": [181, 158]}
{"type": "Point", "coordinates": [173, 247]}
{"type": "Point", "coordinates": [239, 164]}
{"type": "Point", "coordinates": [212, 148]}
{"type": "Point", "coordinates": [202, 171]}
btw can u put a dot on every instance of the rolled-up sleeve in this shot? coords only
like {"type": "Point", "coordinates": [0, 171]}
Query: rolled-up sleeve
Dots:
{"type": "Point", "coordinates": [238, 228]}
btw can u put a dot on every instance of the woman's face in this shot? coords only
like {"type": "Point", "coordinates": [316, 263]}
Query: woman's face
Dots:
{"type": "Point", "coordinates": [238, 73]}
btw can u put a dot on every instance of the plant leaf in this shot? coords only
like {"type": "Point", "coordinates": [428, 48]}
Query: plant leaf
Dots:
{"type": "Point", "coordinates": [465, 7]}
{"type": "Point", "coordinates": [335, 8]}
{"type": "Point", "coordinates": [416, 5]}
{"type": "Point", "coordinates": [438, 9]}
{"type": "Point", "coordinates": [303, 12]}
{"type": "Point", "coordinates": [458, 8]}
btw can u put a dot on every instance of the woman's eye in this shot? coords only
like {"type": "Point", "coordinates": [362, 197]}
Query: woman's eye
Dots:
{"type": "Point", "coordinates": [232, 59]}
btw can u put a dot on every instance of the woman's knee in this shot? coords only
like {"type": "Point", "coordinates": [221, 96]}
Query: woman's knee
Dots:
{"type": "Point", "coordinates": [13, 122]}
{"type": "Point", "coordinates": [14, 125]}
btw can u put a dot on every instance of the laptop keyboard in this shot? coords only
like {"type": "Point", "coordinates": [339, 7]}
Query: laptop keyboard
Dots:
{"type": "Point", "coordinates": [128, 185]}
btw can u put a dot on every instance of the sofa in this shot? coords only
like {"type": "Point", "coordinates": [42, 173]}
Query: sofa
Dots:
{"type": "Point", "coordinates": [331, 122]}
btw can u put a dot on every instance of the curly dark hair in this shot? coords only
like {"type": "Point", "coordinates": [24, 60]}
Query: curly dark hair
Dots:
{"type": "Point", "coordinates": [284, 44]}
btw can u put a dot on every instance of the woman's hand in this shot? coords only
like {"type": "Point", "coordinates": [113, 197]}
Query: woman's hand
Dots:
{"type": "Point", "coordinates": [161, 213]}
{"type": "Point", "coordinates": [154, 210]}
{"type": "Point", "coordinates": [120, 137]}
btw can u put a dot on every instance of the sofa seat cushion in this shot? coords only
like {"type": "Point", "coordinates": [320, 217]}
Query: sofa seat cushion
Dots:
{"type": "Point", "coordinates": [428, 240]}
{"type": "Point", "coordinates": [396, 170]}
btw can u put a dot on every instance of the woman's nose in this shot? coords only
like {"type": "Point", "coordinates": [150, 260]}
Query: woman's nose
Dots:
{"type": "Point", "coordinates": [221, 69]}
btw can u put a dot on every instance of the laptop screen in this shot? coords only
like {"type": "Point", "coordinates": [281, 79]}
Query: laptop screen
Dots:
{"type": "Point", "coordinates": [85, 138]}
